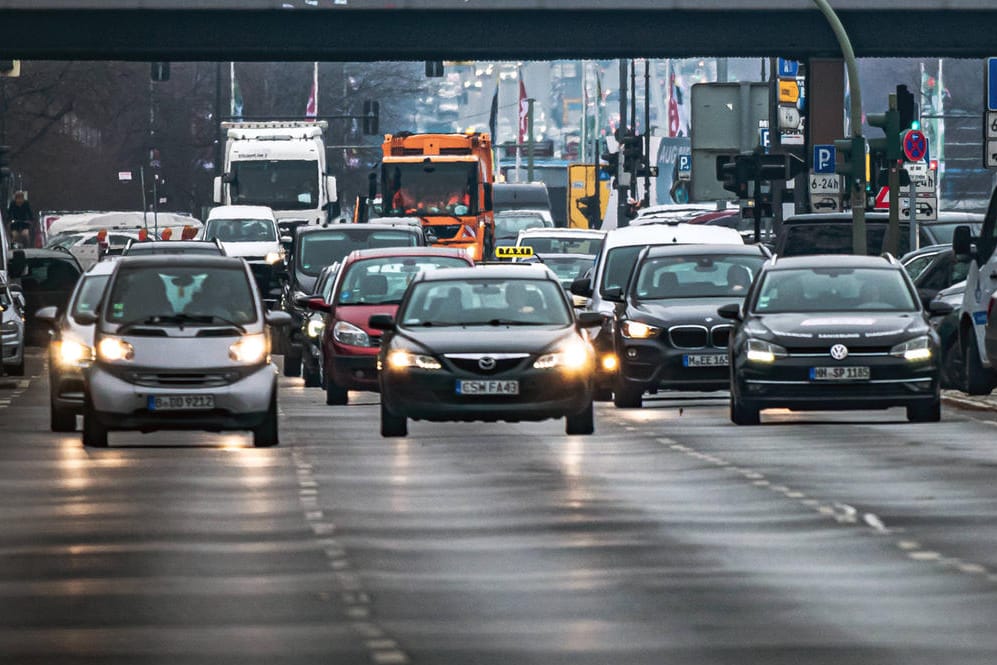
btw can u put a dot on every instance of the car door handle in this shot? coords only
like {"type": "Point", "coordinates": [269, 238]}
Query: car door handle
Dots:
{"type": "Point", "coordinates": [993, 275]}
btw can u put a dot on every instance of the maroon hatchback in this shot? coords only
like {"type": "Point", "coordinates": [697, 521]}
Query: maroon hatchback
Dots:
{"type": "Point", "coordinates": [371, 281]}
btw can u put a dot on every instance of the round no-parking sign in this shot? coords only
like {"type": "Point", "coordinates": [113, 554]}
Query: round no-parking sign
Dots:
{"type": "Point", "coordinates": [915, 145]}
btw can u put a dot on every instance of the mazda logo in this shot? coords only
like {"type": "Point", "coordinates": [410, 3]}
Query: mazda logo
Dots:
{"type": "Point", "coordinates": [839, 351]}
{"type": "Point", "coordinates": [487, 363]}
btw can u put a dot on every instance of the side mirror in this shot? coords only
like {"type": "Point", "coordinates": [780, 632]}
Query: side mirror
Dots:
{"type": "Point", "coordinates": [217, 190]}
{"type": "Point", "coordinates": [48, 314]}
{"type": "Point", "coordinates": [939, 308]}
{"type": "Point", "coordinates": [278, 319]}
{"type": "Point", "coordinates": [614, 294]}
{"type": "Point", "coordinates": [731, 311]}
{"type": "Point", "coordinates": [589, 319]}
{"type": "Point", "coordinates": [582, 287]}
{"type": "Point", "coordinates": [314, 303]}
{"type": "Point", "coordinates": [962, 242]}
{"type": "Point", "coordinates": [86, 318]}
{"type": "Point", "coordinates": [382, 322]}
{"type": "Point", "coordinates": [228, 178]}
{"type": "Point", "coordinates": [286, 240]}
{"type": "Point", "coordinates": [926, 296]}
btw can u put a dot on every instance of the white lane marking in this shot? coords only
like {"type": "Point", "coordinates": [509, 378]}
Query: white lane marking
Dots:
{"type": "Point", "coordinates": [392, 657]}
{"type": "Point", "coordinates": [873, 521]}
{"type": "Point", "coordinates": [908, 544]}
{"type": "Point", "coordinates": [923, 555]}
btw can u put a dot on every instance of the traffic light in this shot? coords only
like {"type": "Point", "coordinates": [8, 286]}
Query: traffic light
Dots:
{"type": "Point", "coordinates": [632, 147]}
{"type": "Point", "coordinates": [889, 146]}
{"type": "Point", "coordinates": [612, 166]}
{"type": "Point", "coordinates": [909, 118]}
{"type": "Point", "coordinates": [851, 160]}
{"type": "Point", "coordinates": [371, 117]}
{"type": "Point", "coordinates": [735, 173]}
{"type": "Point", "coordinates": [588, 206]}
{"type": "Point", "coordinates": [160, 71]}
{"type": "Point", "coordinates": [4, 161]}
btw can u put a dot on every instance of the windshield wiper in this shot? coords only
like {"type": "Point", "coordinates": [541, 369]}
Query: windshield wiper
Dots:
{"type": "Point", "coordinates": [179, 320]}
{"type": "Point", "coordinates": [505, 322]}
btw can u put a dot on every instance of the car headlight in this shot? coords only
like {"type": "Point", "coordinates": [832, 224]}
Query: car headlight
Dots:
{"type": "Point", "coordinates": [638, 330]}
{"type": "Point", "coordinates": [273, 257]}
{"type": "Point", "coordinates": [913, 350]}
{"type": "Point", "coordinates": [315, 327]}
{"type": "Point", "coordinates": [760, 351]}
{"type": "Point", "coordinates": [9, 326]}
{"type": "Point", "coordinates": [349, 334]}
{"type": "Point", "coordinates": [72, 352]}
{"type": "Point", "coordinates": [574, 355]}
{"type": "Point", "coordinates": [250, 350]}
{"type": "Point", "coordinates": [113, 349]}
{"type": "Point", "coordinates": [610, 362]}
{"type": "Point", "coordinates": [399, 359]}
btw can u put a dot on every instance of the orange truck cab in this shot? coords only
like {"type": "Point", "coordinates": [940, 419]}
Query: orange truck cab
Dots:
{"type": "Point", "coordinates": [446, 181]}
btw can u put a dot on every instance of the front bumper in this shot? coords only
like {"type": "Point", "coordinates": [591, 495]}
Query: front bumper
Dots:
{"type": "Point", "coordinates": [786, 383]}
{"type": "Point", "coordinates": [66, 385]}
{"type": "Point", "coordinates": [654, 365]}
{"type": "Point", "coordinates": [356, 372]}
{"type": "Point", "coordinates": [431, 395]}
{"type": "Point", "coordinates": [120, 404]}
{"type": "Point", "coordinates": [13, 348]}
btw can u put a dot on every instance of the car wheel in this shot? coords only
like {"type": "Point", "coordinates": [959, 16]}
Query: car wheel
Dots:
{"type": "Point", "coordinates": [951, 366]}
{"type": "Point", "coordinates": [977, 379]}
{"type": "Point", "coordinates": [742, 413]}
{"type": "Point", "coordinates": [925, 413]}
{"type": "Point", "coordinates": [16, 370]}
{"type": "Point", "coordinates": [265, 435]}
{"type": "Point", "coordinates": [335, 394]}
{"type": "Point", "coordinates": [602, 395]}
{"type": "Point", "coordinates": [627, 395]}
{"type": "Point", "coordinates": [94, 433]}
{"type": "Point", "coordinates": [313, 376]}
{"type": "Point", "coordinates": [580, 423]}
{"type": "Point", "coordinates": [63, 420]}
{"type": "Point", "coordinates": [292, 364]}
{"type": "Point", "coordinates": [392, 425]}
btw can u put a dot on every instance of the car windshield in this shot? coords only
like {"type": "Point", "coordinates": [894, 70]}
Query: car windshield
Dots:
{"type": "Point", "coordinates": [819, 238]}
{"type": "Point", "coordinates": [697, 276]}
{"type": "Point", "coordinates": [562, 244]}
{"type": "Point", "coordinates": [90, 292]}
{"type": "Point", "coordinates": [321, 249]}
{"type": "Point", "coordinates": [834, 290]}
{"type": "Point", "coordinates": [143, 249]}
{"type": "Point", "coordinates": [192, 295]}
{"type": "Point", "coordinates": [509, 226]}
{"type": "Point", "coordinates": [240, 230]}
{"type": "Point", "coordinates": [486, 302]}
{"type": "Point", "coordinates": [384, 280]}
{"type": "Point", "coordinates": [568, 268]}
{"type": "Point", "coordinates": [283, 184]}
{"type": "Point", "coordinates": [430, 187]}
{"type": "Point", "coordinates": [50, 274]}
{"type": "Point", "coordinates": [619, 264]}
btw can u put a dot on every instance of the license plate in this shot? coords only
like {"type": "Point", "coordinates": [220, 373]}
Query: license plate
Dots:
{"type": "Point", "coordinates": [181, 402]}
{"type": "Point", "coordinates": [839, 374]}
{"type": "Point", "coordinates": [706, 360]}
{"type": "Point", "coordinates": [488, 387]}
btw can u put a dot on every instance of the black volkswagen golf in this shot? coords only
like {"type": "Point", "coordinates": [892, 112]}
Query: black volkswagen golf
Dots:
{"type": "Point", "coordinates": [667, 332]}
{"type": "Point", "coordinates": [833, 333]}
{"type": "Point", "coordinates": [489, 343]}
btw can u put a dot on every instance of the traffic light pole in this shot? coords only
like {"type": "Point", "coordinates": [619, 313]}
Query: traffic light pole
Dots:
{"type": "Point", "coordinates": [622, 209]}
{"type": "Point", "coordinates": [855, 117]}
{"type": "Point", "coordinates": [891, 243]}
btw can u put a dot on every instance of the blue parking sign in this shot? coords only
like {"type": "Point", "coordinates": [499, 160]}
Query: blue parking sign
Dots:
{"type": "Point", "coordinates": [824, 157]}
{"type": "Point", "coordinates": [788, 69]}
{"type": "Point", "coordinates": [992, 84]}
{"type": "Point", "coordinates": [685, 163]}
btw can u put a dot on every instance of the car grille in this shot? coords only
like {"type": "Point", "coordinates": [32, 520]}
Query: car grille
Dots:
{"type": "Point", "coordinates": [184, 379]}
{"type": "Point", "coordinates": [688, 337]}
{"type": "Point", "coordinates": [470, 362]}
{"type": "Point", "coordinates": [720, 336]}
{"type": "Point", "coordinates": [441, 231]}
{"type": "Point", "coordinates": [825, 350]}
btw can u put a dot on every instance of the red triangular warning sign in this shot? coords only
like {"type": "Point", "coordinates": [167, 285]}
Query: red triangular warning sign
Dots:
{"type": "Point", "coordinates": [882, 199]}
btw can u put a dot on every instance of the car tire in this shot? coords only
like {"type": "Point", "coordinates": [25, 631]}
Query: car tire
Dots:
{"type": "Point", "coordinates": [335, 394]}
{"type": "Point", "coordinates": [925, 413]}
{"type": "Point", "coordinates": [292, 364]}
{"type": "Point", "coordinates": [602, 395]}
{"type": "Point", "coordinates": [62, 420]}
{"type": "Point", "coordinates": [16, 370]}
{"type": "Point", "coordinates": [977, 379]}
{"type": "Point", "coordinates": [582, 422]}
{"type": "Point", "coordinates": [94, 433]}
{"type": "Point", "coordinates": [266, 434]}
{"type": "Point", "coordinates": [742, 413]}
{"type": "Point", "coordinates": [627, 395]}
{"type": "Point", "coordinates": [312, 376]}
{"type": "Point", "coordinates": [392, 425]}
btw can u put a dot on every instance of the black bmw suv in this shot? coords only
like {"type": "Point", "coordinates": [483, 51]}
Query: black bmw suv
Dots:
{"type": "Point", "coordinates": [833, 333]}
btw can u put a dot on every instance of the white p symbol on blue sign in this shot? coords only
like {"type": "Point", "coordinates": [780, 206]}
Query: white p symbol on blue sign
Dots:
{"type": "Point", "coordinates": [685, 162]}
{"type": "Point", "coordinates": [824, 159]}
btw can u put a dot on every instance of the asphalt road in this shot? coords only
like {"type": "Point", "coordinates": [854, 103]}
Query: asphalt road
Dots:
{"type": "Point", "coordinates": [669, 537]}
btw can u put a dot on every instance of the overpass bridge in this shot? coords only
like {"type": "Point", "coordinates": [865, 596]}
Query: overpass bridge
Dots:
{"type": "Point", "coordinates": [362, 30]}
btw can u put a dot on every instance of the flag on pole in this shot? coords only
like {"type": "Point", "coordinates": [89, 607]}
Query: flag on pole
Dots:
{"type": "Point", "coordinates": [493, 116]}
{"type": "Point", "coordinates": [311, 110]}
{"type": "Point", "coordinates": [674, 99]}
{"type": "Point", "coordinates": [235, 97]}
{"type": "Point", "coordinates": [524, 108]}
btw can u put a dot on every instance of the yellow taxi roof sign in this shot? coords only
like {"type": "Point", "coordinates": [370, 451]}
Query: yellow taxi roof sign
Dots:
{"type": "Point", "coordinates": [518, 252]}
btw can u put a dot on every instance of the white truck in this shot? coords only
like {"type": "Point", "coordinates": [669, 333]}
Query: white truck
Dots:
{"type": "Point", "coordinates": [281, 165]}
{"type": "Point", "coordinates": [979, 372]}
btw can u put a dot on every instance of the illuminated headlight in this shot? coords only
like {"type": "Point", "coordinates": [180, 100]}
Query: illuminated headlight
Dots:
{"type": "Point", "coordinates": [610, 362]}
{"type": "Point", "coordinates": [72, 352]}
{"type": "Point", "coordinates": [250, 350]}
{"type": "Point", "coordinates": [572, 356]}
{"type": "Point", "coordinates": [347, 333]}
{"type": "Point", "coordinates": [273, 257]}
{"type": "Point", "coordinates": [315, 327]}
{"type": "Point", "coordinates": [113, 349]}
{"type": "Point", "coordinates": [760, 351]}
{"type": "Point", "coordinates": [638, 330]}
{"type": "Point", "coordinates": [399, 359]}
{"type": "Point", "coordinates": [9, 326]}
{"type": "Point", "coordinates": [913, 350]}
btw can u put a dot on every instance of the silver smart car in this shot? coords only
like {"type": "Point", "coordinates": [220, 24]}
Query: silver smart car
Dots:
{"type": "Point", "coordinates": [181, 343]}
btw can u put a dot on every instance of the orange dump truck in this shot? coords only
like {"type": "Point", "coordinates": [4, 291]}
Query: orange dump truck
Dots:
{"type": "Point", "coordinates": [446, 181]}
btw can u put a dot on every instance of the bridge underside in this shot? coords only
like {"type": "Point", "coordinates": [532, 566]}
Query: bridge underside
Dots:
{"type": "Point", "coordinates": [363, 35]}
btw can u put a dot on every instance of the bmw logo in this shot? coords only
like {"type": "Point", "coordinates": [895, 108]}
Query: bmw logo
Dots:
{"type": "Point", "coordinates": [839, 351]}
{"type": "Point", "coordinates": [486, 363]}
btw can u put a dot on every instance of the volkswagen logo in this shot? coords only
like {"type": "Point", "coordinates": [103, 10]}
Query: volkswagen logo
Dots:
{"type": "Point", "coordinates": [488, 363]}
{"type": "Point", "coordinates": [839, 351]}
